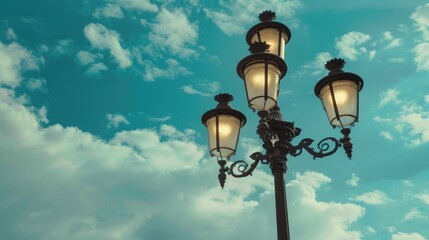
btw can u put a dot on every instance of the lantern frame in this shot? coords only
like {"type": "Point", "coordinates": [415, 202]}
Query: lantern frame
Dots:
{"type": "Point", "coordinates": [266, 59]}
{"type": "Point", "coordinates": [267, 22]}
{"type": "Point", "coordinates": [336, 74]}
{"type": "Point", "coordinates": [223, 108]}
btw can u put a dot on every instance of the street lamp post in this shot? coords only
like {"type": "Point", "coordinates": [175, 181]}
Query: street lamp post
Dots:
{"type": "Point", "coordinates": [261, 72]}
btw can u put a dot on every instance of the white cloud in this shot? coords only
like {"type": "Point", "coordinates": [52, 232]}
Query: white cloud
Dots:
{"type": "Point", "coordinates": [15, 59]}
{"type": "Point", "coordinates": [421, 58]}
{"type": "Point", "coordinates": [373, 198]}
{"type": "Point", "coordinates": [316, 66]}
{"type": "Point", "coordinates": [329, 220]}
{"type": "Point", "coordinates": [172, 70]}
{"type": "Point", "coordinates": [421, 19]}
{"type": "Point", "coordinates": [160, 119]}
{"type": "Point", "coordinates": [63, 46]}
{"type": "Point", "coordinates": [413, 214]}
{"type": "Point", "coordinates": [96, 68]}
{"type": "Point", "coordinates": [236, 15]}
{"type": "Point", "coordinates": [139, 5]}
{"type": "Point", "coordinates": [115, 119]}
{"type": "Point", "coordinates": [173, 32]}
{"type": "Point", "coordinates": [350, 44]}
{"type": "Point", "coordinates": [386, 135]}
{"type": "Point", "coordinates": [392, 42]}
{"type": "Point", "coordinates": [202, 89]}
{"type": "Point", "coordinates": [10, 34]}
{"type": "Point", "coordinates": [37, 84]}
{"type": "Point", "coordinates": [85, 57]}
{"type": "Point", "coordinates": [427, 98]}
{"type": "Point", "coordinates": [371, 230]}
{"type": "Point", "coordinates": [410, 119]}
{"type": "Point", "coordinates": [108, 11]}
{"type": "Point", "coordinates": [372, 54]}
{"type": "Point", "coordinates": [390, 95]}
{"type": "Point", "coordinates": [424, 197]}
{"type": "Point", "coordinates": [407, 236]}
{"type": "Point", "coordinates": [354, 181]}
{"type": "Point", "coordinates": [104, 39]}
{"type": "Point", "coordinates": [421, 50]}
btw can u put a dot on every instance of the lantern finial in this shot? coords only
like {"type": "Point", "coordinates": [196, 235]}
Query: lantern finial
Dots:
{"type": "Point", "coordinates": [259, 47]}
{"type": "Point", "coordinates": [267, 15]}
{"type": "Point", "coordinates": [335, 65]}
{"type": "Point", "coordinates": [223, 99]}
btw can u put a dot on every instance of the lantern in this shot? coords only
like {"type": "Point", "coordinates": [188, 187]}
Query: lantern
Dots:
{"type": "Point", "coordinates": [339, 93]}
{"type": "Point", "coordinates": [275, 34]}
{"type": "Point", "coordinates": [261, 73]}
{"type": "Point", "coordinates": [223, 124]}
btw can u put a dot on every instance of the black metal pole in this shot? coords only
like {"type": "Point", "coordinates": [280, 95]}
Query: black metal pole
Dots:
{"type": "Point", "coordinates": [278, 168]}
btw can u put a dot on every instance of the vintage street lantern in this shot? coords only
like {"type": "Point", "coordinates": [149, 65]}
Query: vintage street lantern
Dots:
{"type": "Point", "coordinates": [339, 93]}
{"type": "Point", "coordinates": [275, 34]}
{"type": "Point", "coordinates": [223, 124]}
{"type": "Point", "coordinates": [261, 73]}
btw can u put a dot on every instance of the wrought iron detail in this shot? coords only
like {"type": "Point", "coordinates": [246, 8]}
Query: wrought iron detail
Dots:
{"type": "Point", "coordinates": [325, 147]}
{"type": "Point", "coordinates": [243, 166]}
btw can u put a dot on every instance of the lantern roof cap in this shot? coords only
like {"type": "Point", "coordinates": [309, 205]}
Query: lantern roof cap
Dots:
{"type": "Point", "coordinates": [223, 108]}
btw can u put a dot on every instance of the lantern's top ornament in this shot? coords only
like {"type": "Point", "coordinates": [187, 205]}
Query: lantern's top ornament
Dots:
{"type": "Point", "coordinates": [335, 65]}
{"type": "Point", "coordinates": [259, 47]}
{"type": "Point", "coordinates": [223, 99]}
{"type": "Point", "coordinates": [267, 16]}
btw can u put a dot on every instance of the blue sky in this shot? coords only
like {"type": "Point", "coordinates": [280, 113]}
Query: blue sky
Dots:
{"type": "Point", "coordinates": [100, 132]}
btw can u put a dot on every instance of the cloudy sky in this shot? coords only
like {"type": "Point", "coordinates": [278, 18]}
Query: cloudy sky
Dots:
{"type": "Point", "coordinates": [100, 132]}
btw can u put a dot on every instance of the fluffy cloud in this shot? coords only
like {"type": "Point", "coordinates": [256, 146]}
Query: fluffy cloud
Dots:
{"type": "Point", "coordinates": [139, 5]}
{"type": "Point", "coordinates": [411, 120]}
{"type": "Point", "coordinates": [413, 214]}
{"type": "Point", "coordinates": [392, 42]}
{"type": "Point", "coordinates": [173, 31]}
{"type": "Point", "coordinates": [109, 11]}
{"type": "Point", "coordinates": [36, 84]}
{"type": "Point", "coordinates": [421, 58]}
{"type": "Point", "coordinates": [373, 198]}
{"type": "Point", "coordinates": [114, 120]}
{"type": "Point", "coordinates": [316, 66]}
{"type": "Point", "coordinates": [390, 95]}
{"type": "Point", "coordinates": [10, 34]}
{"type": "Point", "coordinates": [424, 197]}
{"type": "Point", "coordinates": [421, 50]}
{"type": "Point", "coordinates": [15, 59]}
{"type": "Point", "coordinates": [421, 19]}
{"type": "Point", "coordinates": [354, 181]}
{"type": "Point", "coordinates": [104, 39]}
{"type": "Point", "coordinates": [386, 135]}
{"type": "Point", "coordinates": [350, 44]}
{"type": "Point", "coordinates": [85, 57]}
{"type": "Point", "coordinates": [171, 71]}
{"type": "Point", "coordinates": [407, 236]}
{"type": "Point", "coordinates": [329, 220]}
{"type": "Point", "coordinates": [202, 89]}
{"type": "Point", "coordinates": [237, 14]}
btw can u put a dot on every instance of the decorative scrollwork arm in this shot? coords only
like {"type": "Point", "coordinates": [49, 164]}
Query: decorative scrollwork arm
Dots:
{"type": "Point", "coordinates": [326, 146]}
{"type": "Point", "coordinates": [243, 167]}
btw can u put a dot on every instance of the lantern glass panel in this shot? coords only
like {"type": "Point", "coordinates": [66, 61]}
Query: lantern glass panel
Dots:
{"type": "Point", "coordinates": [345, 95]}
{"type": "Point", "coordinates": [227, 133]}
{"type": "Point", "coordinates": [271, 37]}
{"type": "Point", "coordinates": [254, 75]}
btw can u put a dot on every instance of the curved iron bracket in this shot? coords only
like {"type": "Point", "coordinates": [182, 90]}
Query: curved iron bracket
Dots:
{"type": "Point", "coordinates": [243, 167]}
{"type": "Point", "coordinates": [325, 147]}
